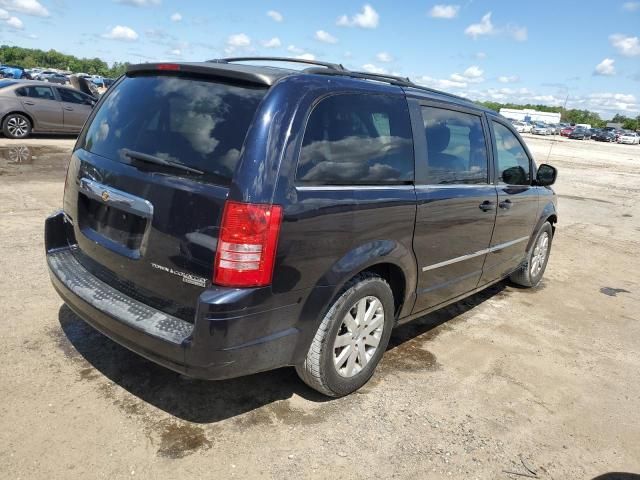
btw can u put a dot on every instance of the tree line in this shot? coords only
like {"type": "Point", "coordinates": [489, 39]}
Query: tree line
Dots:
{"type": "Point", "coordinates": [33, 57]}
{"type": "Point", "coordinates": [571, 115]}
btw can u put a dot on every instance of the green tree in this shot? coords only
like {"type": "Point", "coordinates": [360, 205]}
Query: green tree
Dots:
{"type": "Point", "coordinates": [29, 58]}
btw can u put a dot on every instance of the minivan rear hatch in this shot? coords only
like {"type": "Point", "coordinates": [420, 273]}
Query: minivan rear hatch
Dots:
{"type": "Point", "coordinates": [149, 178]}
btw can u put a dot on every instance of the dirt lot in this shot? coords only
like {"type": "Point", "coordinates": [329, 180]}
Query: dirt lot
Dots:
{"type": "Point", "coordinates": [507, 380]}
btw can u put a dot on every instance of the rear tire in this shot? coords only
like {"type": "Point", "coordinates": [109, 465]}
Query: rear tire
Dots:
{"type": "Point", "coordinates": [16, 125]}
{"type": "Point", "coordinates": [351, 338]}
{"type": "Point", "coordinates": [531, 272]}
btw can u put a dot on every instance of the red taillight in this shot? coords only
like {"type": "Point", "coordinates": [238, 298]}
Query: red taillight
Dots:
{"type": "Point", "coordinates": [172, 67]}
{"type": "Point", "coordinates": [247, 244]}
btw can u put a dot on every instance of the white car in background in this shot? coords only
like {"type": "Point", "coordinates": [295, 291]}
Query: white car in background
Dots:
{"type": "Point", "coordinates": [541, 129]}
{"type": "Point", "coordinates": [522, 127]}
{"type": "Point", "coordinates": [630, 138]}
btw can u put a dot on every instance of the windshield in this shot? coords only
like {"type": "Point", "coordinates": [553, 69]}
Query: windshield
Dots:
{"type": "Point", "coordinates": [198, 123]}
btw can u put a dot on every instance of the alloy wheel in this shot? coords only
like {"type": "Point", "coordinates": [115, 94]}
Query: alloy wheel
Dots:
{"type": "Point", "coordinates": [17, 126]}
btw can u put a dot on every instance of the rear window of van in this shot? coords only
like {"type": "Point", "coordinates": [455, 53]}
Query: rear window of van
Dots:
{"type": "Point", "coordinates": [195, 122]}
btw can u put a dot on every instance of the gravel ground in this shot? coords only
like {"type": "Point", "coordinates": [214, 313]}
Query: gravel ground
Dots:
{"type": "Point", "coordinates": [508, 380]}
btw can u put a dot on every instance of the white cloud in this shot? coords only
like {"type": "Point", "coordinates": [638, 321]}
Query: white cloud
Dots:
{"type": "Point", "coordinates": [176, 17]}
{"type": "Point", "coordinates": [605, 67]}
{"type": "Point", "coordinates": [306, 56]}
{"type": "Point", "coordinates": [325, 37]}
{"type": "Point", "coordinates": [519, 34]}
{"type": "Point", "coordinates": [368, 18]}
{"type": "Point", "coordinates": [14, 22]}
{"type": "Point", "coordinates": [508, 79]}
{"type": "Point", "coordinates": [384, 57]}
{"type": "Point", "coordinates": [140, 3]}
{"type": "Point", "coordinates": [444, 11]}
{"type": "Point", "coordinates": [473, 74]}
{"type": "Point", "coordinates": [442, 84]}
{"type": "Point", "coordinates": [485, 27]}
{"type": "Point", "coordinates": [606, 104]}
{"type": "Point", "coordinates": [175, 52]}
{"type": "Point", "coordinates": [120, 32]}
{"type": "Point", "coordinates": [371, 68]}
{"type": "Point", "coordinates": [612, 103]}
{"type": "Point", "coordinates": [627, 46]}
{"type": "Point", "coordinates": [271, 43]}
{"type": "Point", "coordinates": [481, 55]}
{"type": "Point", "coordinates": [275, 16]}
{"type": "Point", "coordinates": [294, 49]}
{"type": "Point", "coordinates": [631, 6]}
{"type": "Point", "coordinates": [28, 7]}
{"type": "Point", "coordinates": [239, 40]}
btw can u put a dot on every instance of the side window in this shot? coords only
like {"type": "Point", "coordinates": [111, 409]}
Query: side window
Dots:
{"type": "Point", "coordinates": [42, 93]}
{"type": "Point", "coordinates": [514, 167]}
{"type": "Point", "coordinates": [73, 97]}
{"type": "Point", "coordinates": [357, 139]}
{"type": "Point", "coordinates": [456, 148]}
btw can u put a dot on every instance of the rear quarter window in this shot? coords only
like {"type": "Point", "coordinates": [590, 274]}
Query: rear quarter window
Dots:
{"type": "Point", "coordinates": [196, 122]}
{"type": "Point", "coordinates": [357, 139]}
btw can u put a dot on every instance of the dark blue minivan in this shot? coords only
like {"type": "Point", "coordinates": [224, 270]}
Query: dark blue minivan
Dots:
{"type": "Point", "coordinates": [228, 217]}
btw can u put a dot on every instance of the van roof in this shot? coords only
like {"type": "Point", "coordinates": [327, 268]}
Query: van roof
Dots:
{"type": "Point", "coordinates": [267, 75]}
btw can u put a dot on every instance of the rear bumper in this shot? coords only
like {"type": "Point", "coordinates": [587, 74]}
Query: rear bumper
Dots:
{"type": "Point", "coordinates": [223, 342]}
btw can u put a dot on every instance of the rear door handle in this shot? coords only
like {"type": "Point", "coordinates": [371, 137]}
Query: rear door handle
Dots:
{"type": "Point", "coordinates": [506, 204]}
{"type": "Point", "coordinates": [68, 109]}
{"type": "Point", "coordinates": [28, 103]}
{"type": "Point", "coordinates": [487, 205]}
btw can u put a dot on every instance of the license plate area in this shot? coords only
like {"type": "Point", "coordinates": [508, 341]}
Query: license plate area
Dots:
{"type": "Point", "coordinates": [115, 219]}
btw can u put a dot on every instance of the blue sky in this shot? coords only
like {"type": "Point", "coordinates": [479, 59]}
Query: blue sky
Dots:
{"type": "Point", "coordinates": [524, 51]}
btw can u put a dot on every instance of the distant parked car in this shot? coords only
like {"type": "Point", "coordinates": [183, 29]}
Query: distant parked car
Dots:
{"type": "Point", "coordinates": [541, 129]}
{"type": "Point", "coordinates": [580, 133]}
{"type": "Point", "coordinates": [45, 74]}
{"type": "Point", "coordinates": [566, 131]}
{"type": "Point", "coordinates": [630, 138]}
{"type": "Point", "coordinates": [521, 127]}
{"type": "Point", "coordinates": [102, 82]}
{"type": "Point", "coordinates": [28, 106]}
{"type": "Point", "coordinates": [605, 136]}
{"type": "Point", "coordinates": [595, 131]}
{"type": "Point", "coordinates": [57, 78]}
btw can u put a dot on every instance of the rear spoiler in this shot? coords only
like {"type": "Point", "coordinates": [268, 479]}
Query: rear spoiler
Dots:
{"type": "Point", "coordinates": [229, 72]}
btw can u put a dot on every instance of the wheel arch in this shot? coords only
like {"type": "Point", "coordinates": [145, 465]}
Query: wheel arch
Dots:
{"type": "Point", "coordinates": [548, 214]}
{"type": "Point", "coordinates": [389, 259]}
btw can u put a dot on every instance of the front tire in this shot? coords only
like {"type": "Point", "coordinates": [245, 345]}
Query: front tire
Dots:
{"type": "Point", "coordinates": [531, 272]}
{"type": "Point", "coordinates": [16, 125]}
{"type": "Point", "coordinates": [351, 338]}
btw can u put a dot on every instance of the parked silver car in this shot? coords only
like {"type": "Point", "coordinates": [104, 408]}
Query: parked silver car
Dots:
{"type": "Point", "coordinates": [40, 107]}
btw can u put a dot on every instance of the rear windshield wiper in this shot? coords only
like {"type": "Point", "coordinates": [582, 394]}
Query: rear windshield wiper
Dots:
{"type": "Point", "coordinates": [145, 157]}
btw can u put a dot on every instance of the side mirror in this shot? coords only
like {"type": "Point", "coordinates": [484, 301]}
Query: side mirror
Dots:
{"type": "Point", "coordinates": [546, 175]}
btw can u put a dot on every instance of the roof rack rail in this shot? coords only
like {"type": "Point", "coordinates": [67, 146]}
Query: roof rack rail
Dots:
{"type": "Point", "coordinates": [333, 66]}
{"type": "Point", "coordinates": [390, 79]}
{"type": "Point", "coordinates": [384, 76]}
{"type": "Point", "coordinates": [339, 69]}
